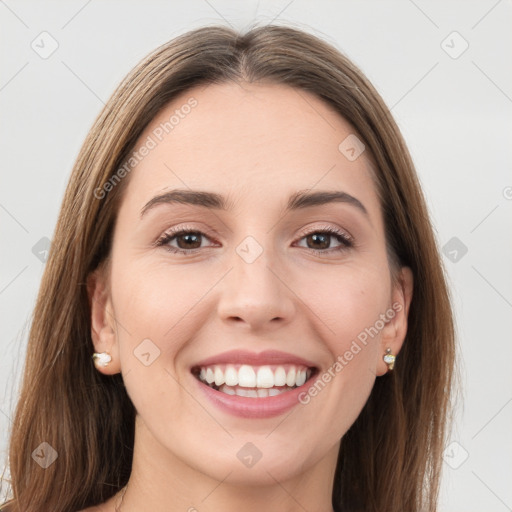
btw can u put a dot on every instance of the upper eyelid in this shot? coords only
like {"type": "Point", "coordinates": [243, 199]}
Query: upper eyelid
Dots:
{"type": "Point", "coordinates": [177, 230]}
{"type": "Point", "coordinates": [328, 228]}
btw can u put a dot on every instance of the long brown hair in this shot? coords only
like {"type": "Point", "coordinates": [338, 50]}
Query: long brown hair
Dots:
{"type": "Point", "coordinates": [391, 457]}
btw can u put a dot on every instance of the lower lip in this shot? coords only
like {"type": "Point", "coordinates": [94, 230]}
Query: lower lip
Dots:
{"type": "Point", "coordinates": [247, 407]}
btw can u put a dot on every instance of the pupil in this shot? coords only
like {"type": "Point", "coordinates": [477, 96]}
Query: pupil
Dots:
{"type": "Point", "coordinates": [190, 237]}
{"type": "Point", "coordinates": [317, 237]}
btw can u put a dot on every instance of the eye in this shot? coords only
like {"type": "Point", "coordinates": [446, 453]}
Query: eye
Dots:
{"type": "Point", "coordinates": [321, 238]}
{"type": "Point", "coordinates": [188, 240]}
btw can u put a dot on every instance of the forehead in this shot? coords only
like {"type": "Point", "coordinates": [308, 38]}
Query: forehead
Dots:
{"type": "Point", "coordinates": [251, 142]}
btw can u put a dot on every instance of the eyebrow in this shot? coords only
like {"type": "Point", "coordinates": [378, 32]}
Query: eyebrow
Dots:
{"type": "Point", "coordinates": [211, 200]}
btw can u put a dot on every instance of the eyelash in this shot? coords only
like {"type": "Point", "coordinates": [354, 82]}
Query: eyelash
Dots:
{"type": "Point", "coordinates": [346, 240]}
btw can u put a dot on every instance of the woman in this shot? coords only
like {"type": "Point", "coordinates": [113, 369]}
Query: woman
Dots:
{"type": "Point", "coordinates": [242, 253]}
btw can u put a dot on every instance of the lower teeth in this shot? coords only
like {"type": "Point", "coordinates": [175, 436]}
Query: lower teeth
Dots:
{"type": "Point", "coordinates": [251, 392]}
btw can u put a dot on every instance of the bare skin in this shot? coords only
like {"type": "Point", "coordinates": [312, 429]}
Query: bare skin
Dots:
{"type": "Point", "coordinates": [256, 145]}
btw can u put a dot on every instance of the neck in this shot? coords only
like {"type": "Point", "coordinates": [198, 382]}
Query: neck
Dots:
{"type": "Point", "coordinates": [160, 480]}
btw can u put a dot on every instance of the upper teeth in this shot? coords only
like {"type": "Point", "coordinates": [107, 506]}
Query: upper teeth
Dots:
{"type": "Point", "coordinates": [254, 377]}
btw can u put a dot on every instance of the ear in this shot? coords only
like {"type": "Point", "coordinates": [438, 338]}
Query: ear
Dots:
{"type": "Point", "coordinates": [393, 333]}
{"type": "Point", "coordinates": [103, 325]}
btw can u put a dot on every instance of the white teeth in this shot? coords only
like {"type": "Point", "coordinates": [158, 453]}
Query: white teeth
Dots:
{"type": "Point", "coordinates": [291, 377]}
{"type": "Point", "coordinates": [219, 376]}
{"type": "Point", "coordinates": [227, 390]}
{"type": "Point", "coordinates": [262, 377]}
{"type": "Point", "coordinates": [301, 377]}
{"type": "Point", "coordinates": [265, 377]}
{"type": "Point", "coordinates": [231, 375]}
{"type": "Point", "coordinates": [246, 376]}
{"type": "Point", "coordinates": [241, 391]}
{"type": "Point", "coordinates": [210, 377]}
{"type": "Point", "coordinates": [280, 377]}
{"type": "Point", "coordinates": [252, 393]}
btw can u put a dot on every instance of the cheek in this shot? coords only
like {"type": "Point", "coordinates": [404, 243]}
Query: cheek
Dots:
{"type": "Point", "coordinates": [159, 309]}
{"type": "Point", "coordinates": [348, 302]}
{"type": "Point", "coordinates": [156, 313]}
{"type": "Point", "coordinates": [158, 302]}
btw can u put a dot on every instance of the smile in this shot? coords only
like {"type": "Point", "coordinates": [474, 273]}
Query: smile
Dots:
{"type": "Point", "coordinates": [253, 385]}
{"type": "Point", "coordinates": [253, 381]}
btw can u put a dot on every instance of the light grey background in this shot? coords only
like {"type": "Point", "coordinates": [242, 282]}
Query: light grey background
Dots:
{"type": "Point", "coordinates": [454, 111]}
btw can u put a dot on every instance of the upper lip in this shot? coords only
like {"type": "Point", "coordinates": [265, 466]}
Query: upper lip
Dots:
{"type": "Point", "coordinates": [266, 357]}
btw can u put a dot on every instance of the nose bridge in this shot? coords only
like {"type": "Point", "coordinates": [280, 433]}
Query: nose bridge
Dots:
{"type": "Point", "coordinates": [253, 291]}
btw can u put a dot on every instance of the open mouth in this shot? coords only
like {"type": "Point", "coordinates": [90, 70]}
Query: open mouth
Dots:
{"type": "Point", "coordinates": [254, 381]}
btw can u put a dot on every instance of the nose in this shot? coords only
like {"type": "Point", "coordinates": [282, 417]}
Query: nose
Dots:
{"type": "Point", "coordinates": [256, 295]}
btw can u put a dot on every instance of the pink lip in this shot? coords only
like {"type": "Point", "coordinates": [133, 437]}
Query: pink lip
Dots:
{"type": "Point", "coordinates": [263, 358]}
{"type": "Point", "coordinates": [247, 407]}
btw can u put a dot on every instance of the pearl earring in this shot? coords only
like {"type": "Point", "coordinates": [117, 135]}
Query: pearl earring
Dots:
{"type": "Point", "coordinates": [101, 359]}
{"type": "Point", "coordinates": [389, 359]}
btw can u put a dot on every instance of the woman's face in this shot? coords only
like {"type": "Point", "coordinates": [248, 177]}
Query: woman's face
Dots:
{"type": "Point", "coordinates": [257, 272]}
